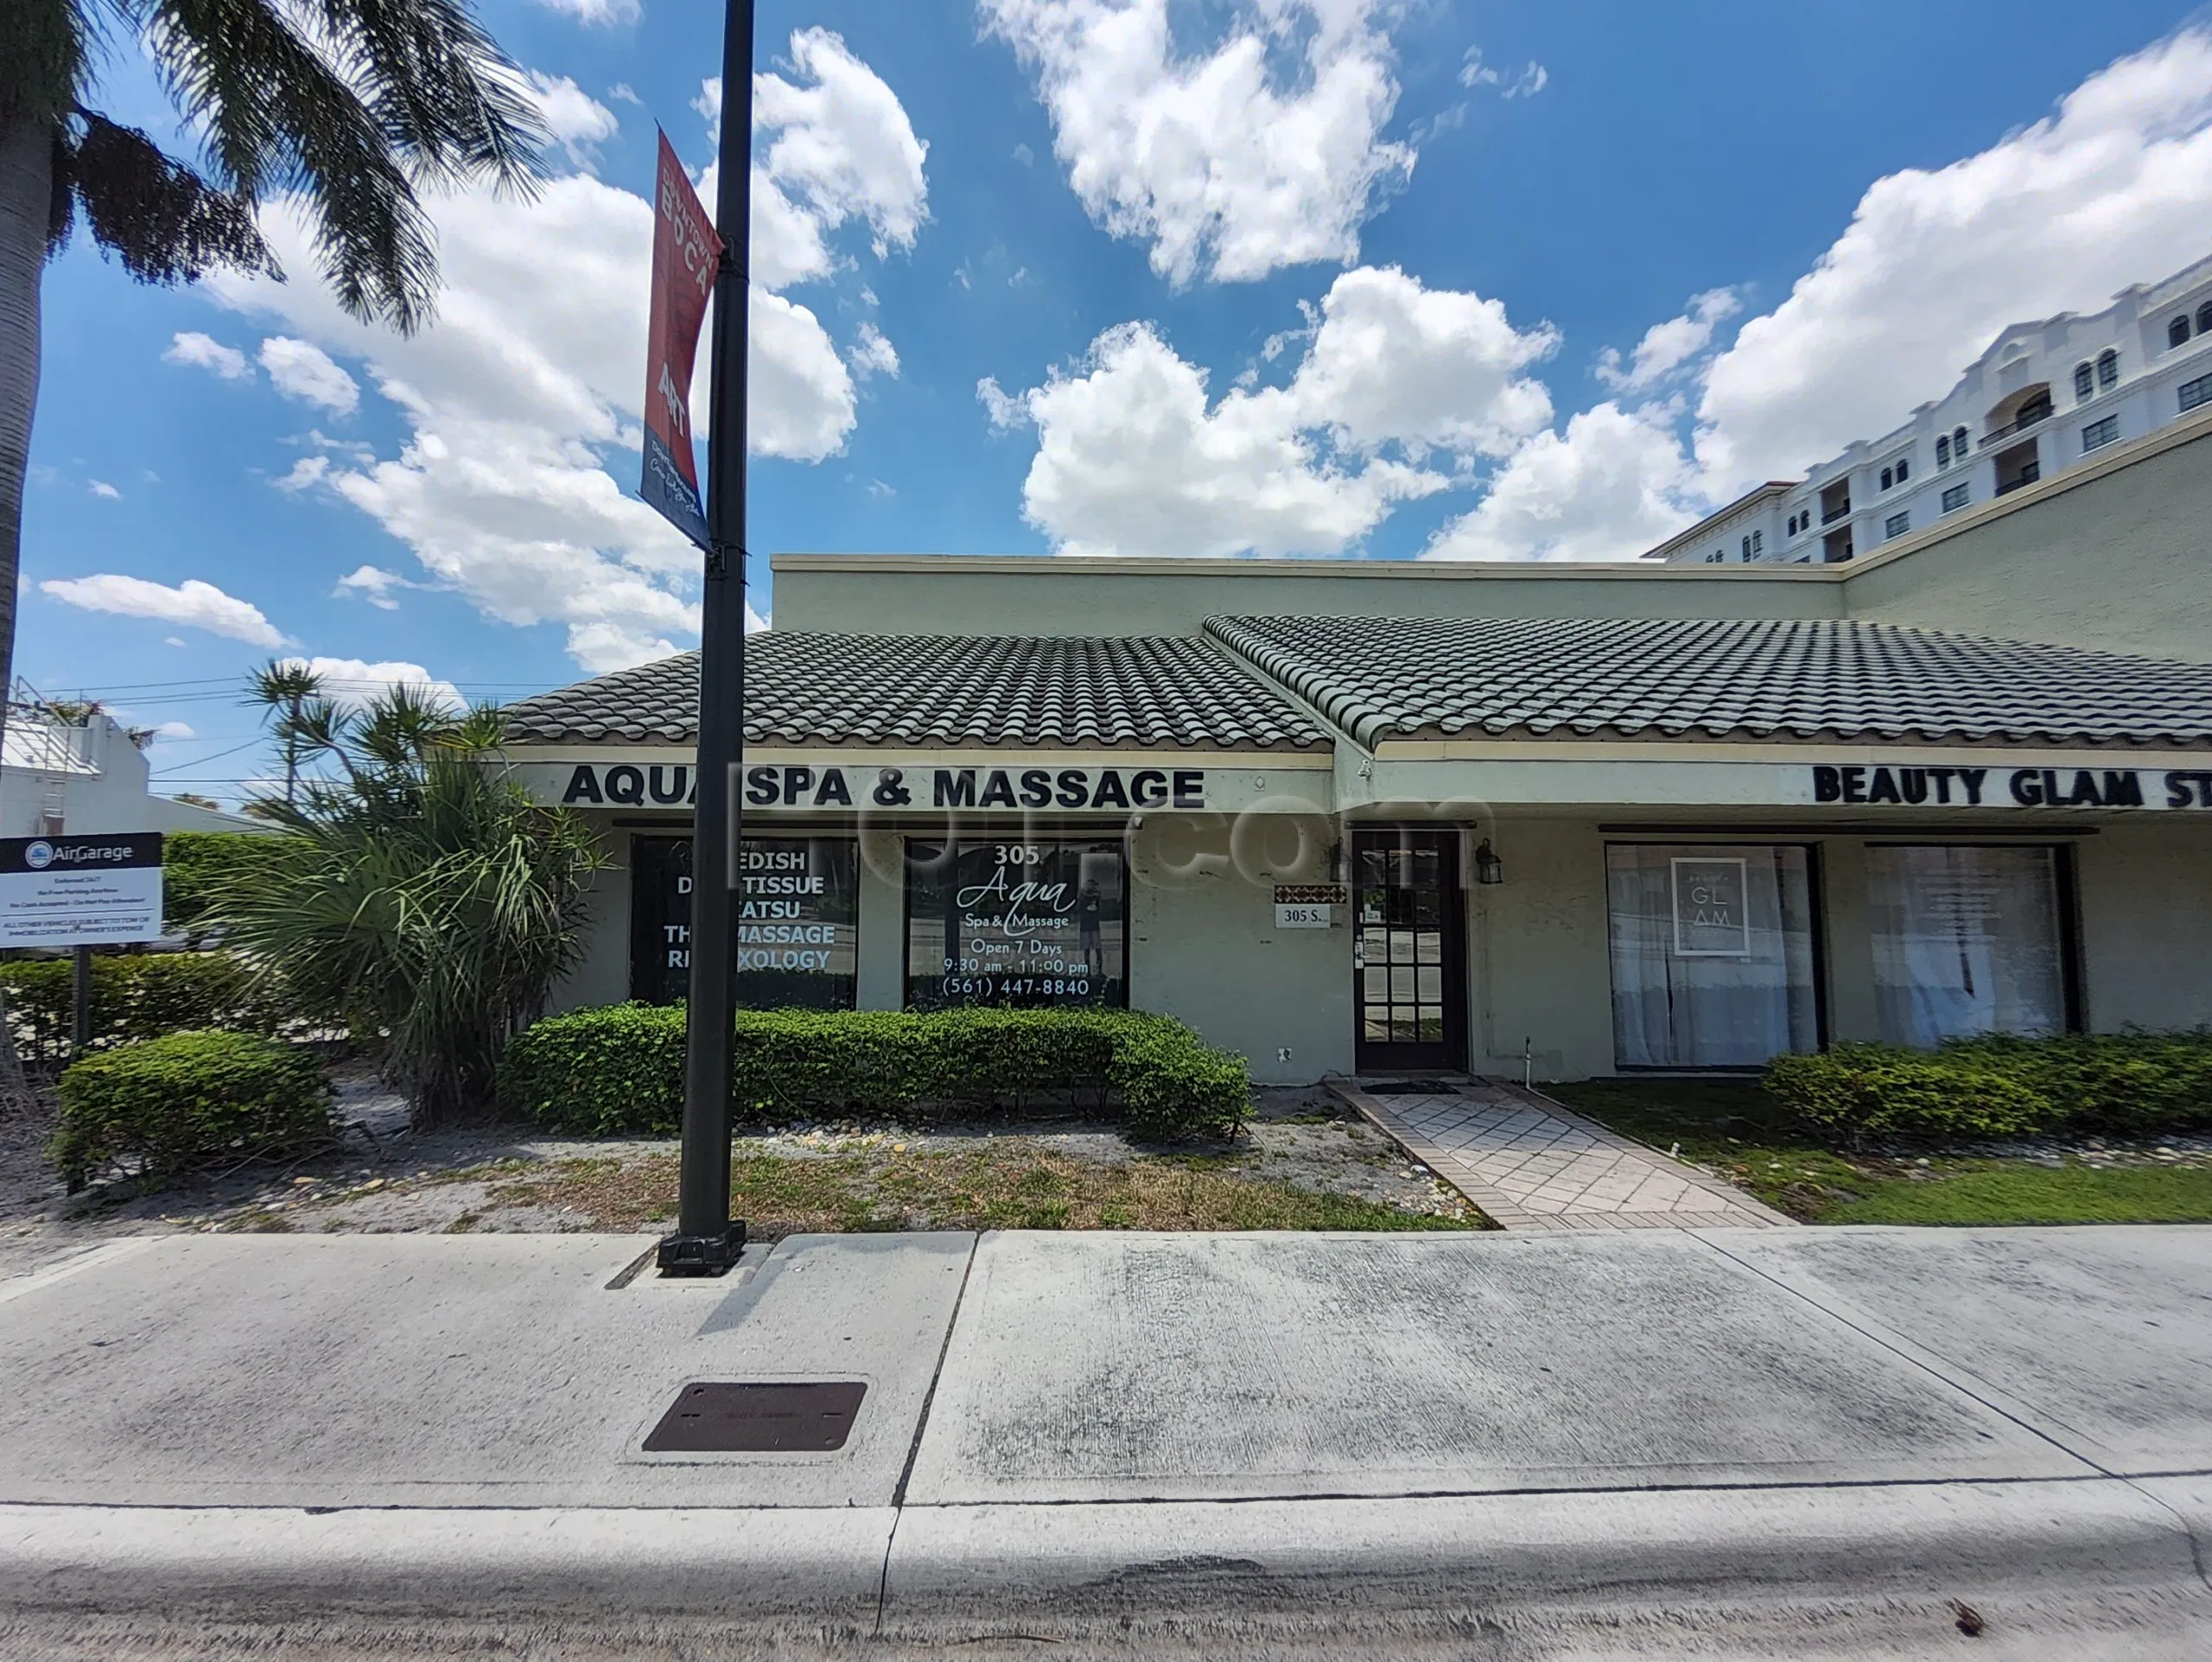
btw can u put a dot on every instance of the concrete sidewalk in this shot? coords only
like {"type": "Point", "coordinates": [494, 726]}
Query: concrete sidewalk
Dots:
{"type": "Point", "coordinates": [1078, 1432]}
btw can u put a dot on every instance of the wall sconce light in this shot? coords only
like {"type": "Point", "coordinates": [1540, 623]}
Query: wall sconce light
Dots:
{"type": "Point", "coordinates": [1488, 869]}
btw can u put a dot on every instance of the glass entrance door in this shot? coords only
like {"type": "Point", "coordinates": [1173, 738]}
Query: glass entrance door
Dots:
{"type": "Point", "coordinates": [1409, 957]}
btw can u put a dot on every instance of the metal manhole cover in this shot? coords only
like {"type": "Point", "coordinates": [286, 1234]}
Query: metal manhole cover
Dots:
{"type": "Point", "coordinates": [724, 1418]}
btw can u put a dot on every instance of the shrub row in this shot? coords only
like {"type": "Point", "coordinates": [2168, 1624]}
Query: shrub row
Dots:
{"type": "Point", "coordinates": [2001, 1086]}
{"type": "Point", "coordinates": [620, 1069]}
{"type": "Point", "coordinates": [141, 995]}
{"type": "Point", "coordinates": [189, 1101]}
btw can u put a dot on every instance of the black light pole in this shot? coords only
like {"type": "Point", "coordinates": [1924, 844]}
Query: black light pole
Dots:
{"type": "Point", "coordinates": [706, 1241]}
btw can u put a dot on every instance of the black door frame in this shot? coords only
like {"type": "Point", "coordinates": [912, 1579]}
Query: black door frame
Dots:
{"type": "Point", "coordinates": [1450, 1053]}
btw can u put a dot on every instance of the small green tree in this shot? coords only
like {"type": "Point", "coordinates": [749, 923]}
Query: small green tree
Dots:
{"type": "Point", "coordinates": [423, 889]}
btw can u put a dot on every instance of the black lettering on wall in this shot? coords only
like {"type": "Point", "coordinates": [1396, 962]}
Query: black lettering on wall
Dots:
{"type": "Point", "coordinates": [954, 790]}
{"type": "Point", "coordinates": [583, 786]}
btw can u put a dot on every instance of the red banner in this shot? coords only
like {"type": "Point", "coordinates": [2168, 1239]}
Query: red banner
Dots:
{"type": "Point", "coordinates": [686, 254]}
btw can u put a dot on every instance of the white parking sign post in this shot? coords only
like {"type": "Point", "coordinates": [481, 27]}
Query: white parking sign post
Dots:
{"type": "Point", "coordinates": [80, 892]}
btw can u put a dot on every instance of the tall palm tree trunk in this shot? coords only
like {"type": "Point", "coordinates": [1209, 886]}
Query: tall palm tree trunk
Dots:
{"type": "Point", "coordinates": [26, 202]}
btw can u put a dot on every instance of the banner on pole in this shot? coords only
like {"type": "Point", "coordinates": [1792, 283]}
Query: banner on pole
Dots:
{"type": "Point", "coordinates": [686, 253]}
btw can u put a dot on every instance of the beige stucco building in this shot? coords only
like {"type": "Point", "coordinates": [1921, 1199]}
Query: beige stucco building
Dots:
{"type": "Point", "coordinates": [1347, 816]}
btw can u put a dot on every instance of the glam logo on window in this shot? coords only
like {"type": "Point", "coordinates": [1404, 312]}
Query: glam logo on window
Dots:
{"type": "Point", "coordinates": [1710, 918]}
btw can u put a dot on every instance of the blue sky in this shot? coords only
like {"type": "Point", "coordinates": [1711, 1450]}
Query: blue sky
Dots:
{"type": "Point", "coordinates": [1164, 277]}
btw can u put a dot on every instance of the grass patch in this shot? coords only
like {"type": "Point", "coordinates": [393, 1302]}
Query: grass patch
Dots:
{"type": "Point", "coordinates": [1002, 1183]}
{"type": "Point", "coordinates": [1730, 1127]}
{"type": "Point", "coordinates": [1733, 1128]}
{"type": "Point", "coordinates": [2015, 1192]}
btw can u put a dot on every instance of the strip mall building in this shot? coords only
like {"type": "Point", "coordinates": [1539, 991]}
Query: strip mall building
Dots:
{"type": "Point", "coordinates": [1358, 817]}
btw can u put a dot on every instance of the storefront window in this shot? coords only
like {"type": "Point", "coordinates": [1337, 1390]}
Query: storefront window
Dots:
{"type": "Point", "coordinates": [1027, 924]}
{"type": "Point", "coordinates": [1712, 954]}
{"type": "Point", "coordinates": [798, 922]}
{"type": "Point", "coordinates": [1965, 940]}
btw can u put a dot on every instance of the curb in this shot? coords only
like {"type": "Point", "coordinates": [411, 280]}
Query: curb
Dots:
{"type": "Point", "coordinates": [1006, 1568]}
{"type": "Point", "coordinates": [267, 1564]}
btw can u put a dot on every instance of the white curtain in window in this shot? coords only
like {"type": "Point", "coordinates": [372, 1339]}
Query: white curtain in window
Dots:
{"type": "Point", "coordinates": [1965, 940]}
{"type": "Point", "coordinates": [1729, 990]}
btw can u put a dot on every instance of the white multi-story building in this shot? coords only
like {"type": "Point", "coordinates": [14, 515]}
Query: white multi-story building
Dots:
{"type": "Point", "coordinates": [2045, 396]}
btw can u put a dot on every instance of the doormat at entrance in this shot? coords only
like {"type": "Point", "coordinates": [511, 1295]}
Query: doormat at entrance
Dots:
{"type": "Point", "coordinates": [1410, 1087]}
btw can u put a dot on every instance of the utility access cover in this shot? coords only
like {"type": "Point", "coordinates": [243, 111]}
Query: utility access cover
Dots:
{"type": "Point", "coordinates": [718, 1418]}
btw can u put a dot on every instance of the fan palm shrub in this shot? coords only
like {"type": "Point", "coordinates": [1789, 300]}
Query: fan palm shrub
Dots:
{"type": "Point", "coordinates": [420, 888]}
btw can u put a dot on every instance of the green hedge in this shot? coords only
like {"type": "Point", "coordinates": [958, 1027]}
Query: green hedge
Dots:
{"type": "Point", "coordinates": [191, 863]}
{"type": "Point", "coordinates": [186, 1101]}
{"type": "Point", "coordinates": [2120, 1083]}
{"type": "Point", "coordinates": [140, 997]}
{"type": "Point", "coordinates": [2003, 1086]}
{"type": "Point", "coordinates": [620, 1069]}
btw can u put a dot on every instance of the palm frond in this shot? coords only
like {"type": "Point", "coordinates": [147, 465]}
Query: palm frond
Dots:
{"type": "Point", "coordinates": [350, 103]}
{"type": "Point", "coordinates": [166, 223]}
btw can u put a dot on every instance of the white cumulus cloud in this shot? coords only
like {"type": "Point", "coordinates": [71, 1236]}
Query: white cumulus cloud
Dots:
{"type": "Point", "coordinates": [197, 351]}
{"type": "Point", "coordinates": [1392, 360]}
{"type": "Point", "coordinates": [1607, 488]}
{"type": "Point", "coordinates": [1667, 348]}
{"type": "Point", "coordinates": [352, 683]}
{"type": "Point", "coordinates": [195, 604]}
{"type": "Point", "coordinates": [1475, 73]}
{"type": "Point", "coordinates": [1133, 458]}
{"type": "Point", "coordinates": [1225, 166]}
{"type": "Point", "coordinates": [873, 355]}
{"type": "Point", "coordinates": [578, 122]}
{"type": "Point", "coordinates": [373, 584]}
{"type": "Point", "coordinates": [303, 371]}
{"type": "Point", "coordinates": [2110, 190]}
{"type": "Point", "coordinates": [599, 12]}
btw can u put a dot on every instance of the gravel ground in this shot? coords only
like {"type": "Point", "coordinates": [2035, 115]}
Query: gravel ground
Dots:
{"type": "Point", "coordinates": [386, 1177]}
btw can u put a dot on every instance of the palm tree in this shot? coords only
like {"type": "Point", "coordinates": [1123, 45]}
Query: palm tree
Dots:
{"type": "Point", "coordinates": [349, 105]}
{"type": "Point", "coordinates": [286, 690]}
{"type": "Point", "coordinates": [422, 890]}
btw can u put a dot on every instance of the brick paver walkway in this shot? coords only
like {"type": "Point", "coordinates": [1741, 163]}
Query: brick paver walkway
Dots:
{"type": "Point", "coordinates": [1532, 1164]}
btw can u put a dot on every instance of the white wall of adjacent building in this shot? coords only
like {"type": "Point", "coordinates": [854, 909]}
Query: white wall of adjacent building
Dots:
{"type": "Point", "coordinates": [77, 777]}
{"type": "Point", "coordinates": [2047, 396]}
